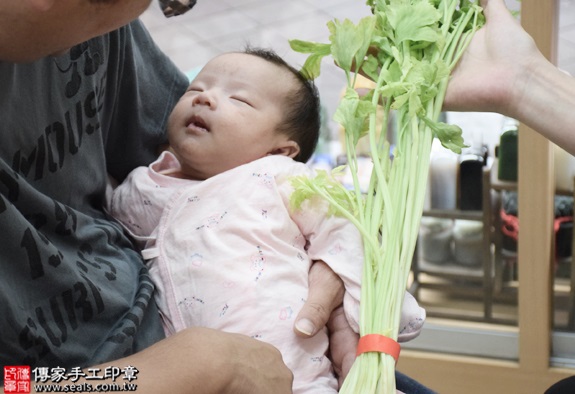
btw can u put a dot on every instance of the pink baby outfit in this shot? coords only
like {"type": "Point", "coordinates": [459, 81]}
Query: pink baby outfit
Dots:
{"type": "Point", "coordinates": [229, 253]}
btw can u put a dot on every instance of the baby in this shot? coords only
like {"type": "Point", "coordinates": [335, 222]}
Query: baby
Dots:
{"type": "Point", "coordinates": [226, 250]}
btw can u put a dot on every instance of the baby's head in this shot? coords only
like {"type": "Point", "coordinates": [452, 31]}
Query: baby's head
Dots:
{"type": "Point", "coordinates": [301, 122]}
{"type": "Point", "coordinates": [243, 106]}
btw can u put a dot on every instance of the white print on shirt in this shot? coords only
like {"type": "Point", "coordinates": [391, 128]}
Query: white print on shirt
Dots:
{"type": "Point", "coordinates": [265, 179]}
{"type": "Point", "coordinates": [212, 221]}
{"type": "Point", "coordinates": [257, 263]}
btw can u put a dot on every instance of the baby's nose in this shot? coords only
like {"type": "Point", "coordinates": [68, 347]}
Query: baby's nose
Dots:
{"type": "Point", "coordinates": [204, 98]}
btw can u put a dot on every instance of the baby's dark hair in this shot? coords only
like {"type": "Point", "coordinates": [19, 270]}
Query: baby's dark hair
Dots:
{"type": "Point", "coordinates": [301, 121]}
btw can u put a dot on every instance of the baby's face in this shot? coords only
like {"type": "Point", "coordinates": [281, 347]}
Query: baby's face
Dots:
{"type": "Point", "coordinates": [229, 115]}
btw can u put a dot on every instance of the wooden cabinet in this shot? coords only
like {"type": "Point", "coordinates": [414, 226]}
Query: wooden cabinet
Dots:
{"type": "Point", "coordinates": [477, 278]}
{"type": "Point", "coordinates": [493, 281]}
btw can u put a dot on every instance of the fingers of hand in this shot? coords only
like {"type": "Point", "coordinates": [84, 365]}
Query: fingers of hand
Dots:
{"type": "Point", "coordinates": [325, 294]}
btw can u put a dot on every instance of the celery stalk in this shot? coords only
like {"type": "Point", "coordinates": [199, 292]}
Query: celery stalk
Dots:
{"type": "Point", "coordinates": [417, 42]}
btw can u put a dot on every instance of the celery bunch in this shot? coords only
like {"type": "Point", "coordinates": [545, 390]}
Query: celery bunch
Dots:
{"type": "Point", "coordinates": [408, 48]}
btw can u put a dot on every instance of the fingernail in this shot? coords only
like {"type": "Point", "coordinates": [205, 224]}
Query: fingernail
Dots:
{"type": "Point", "coordinates": [305, 326]}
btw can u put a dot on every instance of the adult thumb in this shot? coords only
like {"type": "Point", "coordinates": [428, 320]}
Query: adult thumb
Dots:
{"type": "Point", "coordinates": [324, 295]}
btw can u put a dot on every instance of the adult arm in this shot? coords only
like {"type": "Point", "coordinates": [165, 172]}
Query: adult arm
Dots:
{"type": "Point", "coordinates": [224, 363]}
{"type": "Point", "coordinates": [503, 71]}
{"type": "Point", "coordinates": [205, 361]}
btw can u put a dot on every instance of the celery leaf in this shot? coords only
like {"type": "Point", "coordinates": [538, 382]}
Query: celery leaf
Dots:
{"type": "Point", "coordinates": [449, 135]}
{"type": "Point", "coordinates": [312, 66]}
{"type": "Point", "coordinates": [350, 42]}
{"type": "Point", "coordinates": [414, 22]}
{"type": "Point", "coordinates": [352, 114]}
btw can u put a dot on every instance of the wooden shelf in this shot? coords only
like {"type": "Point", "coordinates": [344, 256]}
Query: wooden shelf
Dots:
{"type": "Point", "coordinates": [454, 214]}
{"type": "Point", "coordinates": [451, 269]}
{"type": "Point", "coordinates": [499, 185]}
{"type": "Point", "coordinates": [458, 276]}
{"type": "Point", "coordinates": [489, 276]}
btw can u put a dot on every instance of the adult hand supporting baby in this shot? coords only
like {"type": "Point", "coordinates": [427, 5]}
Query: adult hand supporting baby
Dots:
{"type": "Point", "coordinates": [230, 363]}
{"type": "Point", "coordinates": [325, 294]}
{"type": "Point", "coordinates": [343, 343]}
{"type": "Point", "coordinates": [324, 307]}
{"type": "Point", "coordinates": [207, 361]}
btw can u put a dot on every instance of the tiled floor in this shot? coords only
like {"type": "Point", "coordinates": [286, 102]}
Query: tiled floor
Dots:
{"type": "Point", "coordinates": [216, 26]}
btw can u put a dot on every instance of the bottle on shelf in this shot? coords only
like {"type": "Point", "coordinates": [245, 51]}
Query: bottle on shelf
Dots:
{"type": "Point", "coordinates": [470, 179]}
{"type": "Point", "coordinates": [442, 178]}
{"type": "Point", "coordinates": [507, 152]}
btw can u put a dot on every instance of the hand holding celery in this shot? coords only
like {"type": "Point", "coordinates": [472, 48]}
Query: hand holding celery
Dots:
{"type": "Point", "coordinates": [417, 43]}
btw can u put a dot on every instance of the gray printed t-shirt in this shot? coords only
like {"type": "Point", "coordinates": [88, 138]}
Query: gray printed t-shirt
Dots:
{"type": "Point", "coordinates": [73, 292]}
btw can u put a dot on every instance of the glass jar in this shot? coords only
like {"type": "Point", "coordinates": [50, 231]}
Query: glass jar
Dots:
{"type": "Point", "coordinates": [468, 242]}
{"type": "Point", "coordinates": [435, 240]}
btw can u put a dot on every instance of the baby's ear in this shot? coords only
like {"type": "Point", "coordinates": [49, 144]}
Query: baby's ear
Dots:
{"type": "Point", "coordinates": [287, 148]}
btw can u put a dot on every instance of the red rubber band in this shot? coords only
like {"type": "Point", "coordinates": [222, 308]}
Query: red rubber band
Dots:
{"type": "Point", "coordinates": [378, 343]}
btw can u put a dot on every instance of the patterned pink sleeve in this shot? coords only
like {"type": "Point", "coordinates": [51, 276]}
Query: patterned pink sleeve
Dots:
{"type": "Point", "coordinates": [138, 203]}
{"type": "Point", "coordinates": [333, 239]}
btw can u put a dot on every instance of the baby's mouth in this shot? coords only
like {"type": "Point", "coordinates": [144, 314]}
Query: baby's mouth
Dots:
{"type": "Point", "coordinates": [197, 123]}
